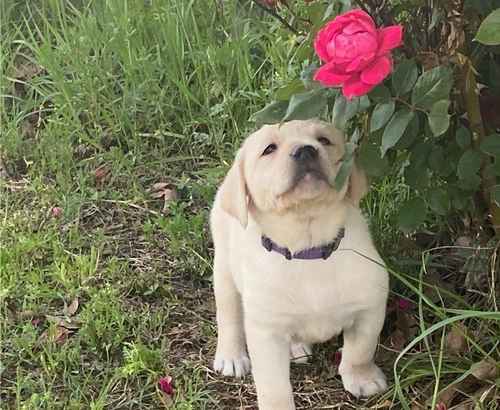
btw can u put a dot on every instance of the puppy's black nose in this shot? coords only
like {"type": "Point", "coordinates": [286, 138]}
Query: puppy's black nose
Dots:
{"type": "Point", "coordinates": [305, 153]}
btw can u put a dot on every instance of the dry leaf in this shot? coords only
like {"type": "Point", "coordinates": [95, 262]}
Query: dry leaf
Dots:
{"type": "Point", "coordinates": [68, 323]}
{"type": "Point", "coordinates": [446, 397]}
{"type": "Point", "coordinates": [72, 308]}
{"type": "Point", "coordinates": [58, 335]}
{"type": "Point", "coordinates": [486, 369]}
{"type": "Point", "coordinates": [397, 340]}
{"type": "Point", "coordinates": [61, 335]}
{"type": "Point", "coordinates": [165, 191]}
{"type": "Point", "coordinates": [101, 173]}
{"type": "Point", "coordinates": [157, 189]}
{"type": "Point", "coordinates": [456, 342]}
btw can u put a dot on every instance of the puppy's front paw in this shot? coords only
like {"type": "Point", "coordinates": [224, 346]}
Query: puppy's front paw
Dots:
{"type": "Point", "coordinates": [363, 381]}
{"type": "Point", "coordinates": [237, 365]}
{"type": "Point", "coordinates": [300, 352]}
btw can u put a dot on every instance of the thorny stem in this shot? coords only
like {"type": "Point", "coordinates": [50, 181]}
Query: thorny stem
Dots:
{"type": "Point", "coordinates": [276, 16]}
{"type": "Point", "coordinates": [471, 98]}
{"type": "Point", "coordinates": [410, 106]}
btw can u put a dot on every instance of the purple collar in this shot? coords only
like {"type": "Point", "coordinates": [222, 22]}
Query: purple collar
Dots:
{"type": "Point", "coordinates": [318, 252]}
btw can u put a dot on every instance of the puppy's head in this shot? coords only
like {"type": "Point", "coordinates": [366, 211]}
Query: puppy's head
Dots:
{"type": "Point", "coordinates": [279, 168]}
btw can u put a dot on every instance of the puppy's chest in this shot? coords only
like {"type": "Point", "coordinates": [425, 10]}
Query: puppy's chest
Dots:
{"type": "Point", "coordinates": [310, 303]}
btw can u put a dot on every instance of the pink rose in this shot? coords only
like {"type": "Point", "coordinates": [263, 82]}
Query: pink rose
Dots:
{"type": "Point", "coordinates": [356, 54]}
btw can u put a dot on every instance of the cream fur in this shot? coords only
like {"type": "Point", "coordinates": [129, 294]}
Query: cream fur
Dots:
{"type": "Point", "coordinates": [277, 308]}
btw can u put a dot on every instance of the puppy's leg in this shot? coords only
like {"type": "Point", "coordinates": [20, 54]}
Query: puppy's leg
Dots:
{"type": "Point", "coordinates": [231, 358]}
{"type": "Point", "coordinates": [270, 354]}
{"type": "Point", "coordinates": [360, 375]}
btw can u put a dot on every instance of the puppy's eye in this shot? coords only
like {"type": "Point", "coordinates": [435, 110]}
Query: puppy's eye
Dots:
{"type": "Point", "coordinates": [270, 149]}
{"type": "Point", "coordinates": [324, 141]}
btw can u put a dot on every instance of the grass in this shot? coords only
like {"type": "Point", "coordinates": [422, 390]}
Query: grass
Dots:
{"type": "Point", "coordinates": [101, 103]}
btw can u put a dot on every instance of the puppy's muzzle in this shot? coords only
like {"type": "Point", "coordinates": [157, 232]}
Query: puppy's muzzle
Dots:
{"type": "Point", "coordinates": [304, 154]}
{"type": "Point", "coordinates": [306, 158]}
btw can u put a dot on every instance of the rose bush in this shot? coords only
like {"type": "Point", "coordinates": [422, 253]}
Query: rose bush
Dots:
{"type": "Point", "coordinates": [356, 54]}
{"type": "Point", "coordinates": [427, 108]}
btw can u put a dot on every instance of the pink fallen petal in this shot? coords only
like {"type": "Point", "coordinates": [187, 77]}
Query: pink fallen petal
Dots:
{"type": "Point", "coordinates": [354, 87]}
{"type": "Point", "coordinates": [166, 385]}
{"type": "Point", "coordinates": [389, 38]}
{"type": "Point", "coordinates": [56, 212]}
{"type": "Point", "coordinates": [337, 357]}
{"type": "Point", "coordinates": [404, 304]}
{"type": "Point", "coordinates": [376, 72]}
{"type": "Point", "coordinates": [329, 77]}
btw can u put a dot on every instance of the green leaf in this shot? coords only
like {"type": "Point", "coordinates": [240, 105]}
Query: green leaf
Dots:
{"type": "Point", "coordinates": [307, 74]}
{"type": "Point", "coordinates": [489, 30]}
{"type": "Point", "coordinates": [343, 111]}
{"type": "Point", "coordinates": [463, 137]}
{"type": "Point", "coordinates": [432, 86]}
{"type": "Point", "coordinates": [395, 129]}
{"type": "Point", "coordinates": [271, 113]}
{"type": "Point", "coordinates": [410, 135]}
{"type": "Point", "coordinates": [439, 119]}
{"type": "Point", "coordinates": [439, 164]}
{"type": "Point", "coordinates": [412, 214]}
{"type": "Point", "coordinates": [439, 201]}
{"type": "Point", "coordinates": [380, 94]}
{"type": "Point", "coordinates": [417, 176]}
{"type": "Point", "coordinates": [468, 168]}
{"type": "Point", "coordinates": [364, 103]}
{"type": "Point", "coordinates": [495, 194]}
{"type": "Point", "coordinates": [293, 87]}
{"type": "Point", "coordinates": [345, 167]}
{"type": "Point", "coordinates": [370, 161]}
{"type": "Point", "coordinates": [381, 114]}
{"type": "Point", "coordinates": [306, 105]}
{"type": "Point", "coordinates": [404, 77]}
{"type": "Point", "coordinates": [491, 145]}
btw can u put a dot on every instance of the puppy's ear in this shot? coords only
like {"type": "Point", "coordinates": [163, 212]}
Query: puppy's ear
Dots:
{"type": "Point", "coordinates": [358, 185]}
{"type": "Point", "coordinates": [233, 191]}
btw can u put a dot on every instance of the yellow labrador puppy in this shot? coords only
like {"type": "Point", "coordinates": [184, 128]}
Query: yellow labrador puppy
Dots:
{"type": "Point", "coordinates": [294, 263]}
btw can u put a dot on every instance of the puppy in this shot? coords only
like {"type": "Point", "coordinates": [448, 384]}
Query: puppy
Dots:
{"type": "Point", "coordinates": [294, 262]}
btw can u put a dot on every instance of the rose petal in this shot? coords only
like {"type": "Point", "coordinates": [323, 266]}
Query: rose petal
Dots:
{"type": "Point", "coordinates": [358, 15]}
{"type": "Point", "coordinates": [354, 87]}
{"type": "Point", "coordinates": [353, 28]}
{"type": "Point", "coordinates": [359, 63]}
{"type": "Point", "coordinates": [323, 38]}
{"type": "Point", "coordinates": [329, 76]}
{"type": "Point", "coordinates": [389, 38]}
{"type": "Point", "coordinates": [353, 21]}
{"type": "Point", "coordinates": [365, 43]}
{"type": "Point", "coordinates": [377, 71]}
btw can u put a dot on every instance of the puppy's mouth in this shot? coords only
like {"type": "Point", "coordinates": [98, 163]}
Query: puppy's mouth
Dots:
{"type": "Point", "coordinates": [309, 176]}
